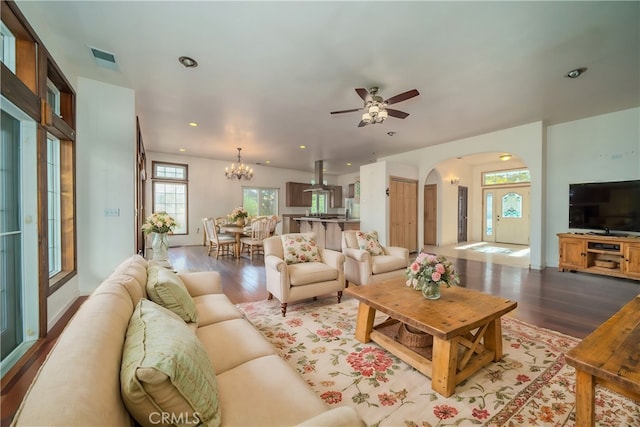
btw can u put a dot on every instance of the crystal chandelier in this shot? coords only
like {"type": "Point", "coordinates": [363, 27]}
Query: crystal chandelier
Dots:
{"type": "Point", "coordinates": [238, 171]}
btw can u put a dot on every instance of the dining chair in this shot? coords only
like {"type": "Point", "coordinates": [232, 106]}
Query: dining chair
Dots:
{"type": "Point", "coordinates": [217, 242]}
{"type": "Point", "coordinates": [259, 232]}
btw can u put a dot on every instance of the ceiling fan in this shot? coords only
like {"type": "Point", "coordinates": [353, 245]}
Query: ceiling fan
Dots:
{"type": "Point", "coordinates": [375, 106]}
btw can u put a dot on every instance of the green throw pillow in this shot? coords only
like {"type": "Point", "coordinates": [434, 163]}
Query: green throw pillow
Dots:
{"type": "Point", "coordinates": [166, 372]}
{"type": "Point", "coordinates": [164, 287]}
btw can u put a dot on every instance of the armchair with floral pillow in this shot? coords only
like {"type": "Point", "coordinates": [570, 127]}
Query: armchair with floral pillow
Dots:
{"type": "Point", "coordinates": [297, 269]}
{"type": "Point", "coordinates": [367, 261]}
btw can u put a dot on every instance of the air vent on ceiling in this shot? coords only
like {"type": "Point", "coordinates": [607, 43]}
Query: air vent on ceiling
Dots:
{"type": "Point", "coordinates": [104, 58]}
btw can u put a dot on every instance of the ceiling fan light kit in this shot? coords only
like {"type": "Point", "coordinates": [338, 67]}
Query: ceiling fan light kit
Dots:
{"type": "Point", "coordinates": [375, 106]}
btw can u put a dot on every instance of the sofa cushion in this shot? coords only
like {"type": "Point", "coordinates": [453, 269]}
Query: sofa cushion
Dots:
{"type": "Point", "coordinates": [311, 272]}
{"type": "Point", "coordinates": [368, 241]}
{"type": "Point", "coordinates": [385, 263]}
{"type": "Point", "coordinates": [166, 370]}
{"type": "Point", "coordinates": [299, 248]}
{"type": "Point", "coordinates": [215, 308]}
{"type": "Point", "coordinates": [278, 397]}
{"type": "Point", "coordinates": [165, 288]}
{"type": "Point", "coordinates": [246, 341]}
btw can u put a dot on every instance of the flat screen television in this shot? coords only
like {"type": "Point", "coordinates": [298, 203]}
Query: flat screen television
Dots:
{"type": "Point", "coordinates": [608, 206]}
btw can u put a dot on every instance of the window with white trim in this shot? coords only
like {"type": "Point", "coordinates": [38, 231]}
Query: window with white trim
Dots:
{"type": "Point", "coordinates": [53, 97]}
{"type": "Point", "coordinates": [170, 189]}
{"type": "Point", "coordinates": [53, 202]}
{"type": "Point", "coordinates": [513, 176]}
{"type": "Point", "coordinates": [8, 46]}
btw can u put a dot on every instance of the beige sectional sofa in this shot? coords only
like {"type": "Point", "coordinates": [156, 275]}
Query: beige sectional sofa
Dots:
{"type": "Point", "coordinates": [80, 382]}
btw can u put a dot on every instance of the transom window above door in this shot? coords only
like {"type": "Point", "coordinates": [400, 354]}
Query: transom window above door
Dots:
{"type": "Point", "coordinates": [505, 177]}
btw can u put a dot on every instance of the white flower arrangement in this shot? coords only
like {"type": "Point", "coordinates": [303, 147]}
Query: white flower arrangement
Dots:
{"type": "Point", "coordinates": [238, 213]}
{"type": "Point", "coordinates": [159, 222]}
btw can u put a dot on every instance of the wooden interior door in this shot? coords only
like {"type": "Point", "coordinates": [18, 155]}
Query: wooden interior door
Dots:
{"type": "Point", "coordinates": [403, 213]}
{"type": "Point", "coordinates": [431, 214]}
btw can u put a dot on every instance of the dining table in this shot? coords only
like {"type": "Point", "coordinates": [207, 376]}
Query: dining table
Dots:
{"type": "Point", "coordinates": [238, 231]}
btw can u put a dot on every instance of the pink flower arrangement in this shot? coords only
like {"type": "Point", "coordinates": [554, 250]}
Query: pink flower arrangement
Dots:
{"type": "Point", "coordinates": [431, 268]}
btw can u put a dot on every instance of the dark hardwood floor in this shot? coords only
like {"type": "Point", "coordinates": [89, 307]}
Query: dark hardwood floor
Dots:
{"type": "Point", "coordinates": [571, 303]}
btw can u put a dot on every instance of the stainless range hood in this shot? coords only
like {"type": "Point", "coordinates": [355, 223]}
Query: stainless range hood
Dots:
{"type": "Point", "coordinates": [319, 186]}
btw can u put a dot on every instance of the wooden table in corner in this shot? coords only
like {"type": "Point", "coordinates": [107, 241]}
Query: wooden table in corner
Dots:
{"type": "Point", "coordinates": [465, 325]}
{"type": "Point", "coordinates": [610, 356]}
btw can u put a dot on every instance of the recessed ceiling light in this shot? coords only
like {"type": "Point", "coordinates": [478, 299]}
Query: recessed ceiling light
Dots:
{"type": "Point", "coordinates": [194, 124]}
{"type": "Point", "coordinates": [182, 150]}
{"type": "Point", "coordinates": [348, 163]}
{"type": "Point", "coordinates": [303, 146]}
{"type": "Point", "coordinates": [188, 62]}
{"type": "Point", "coordinates": [574, 74]}
{"type": "Point", "coordinates": [267, 161]}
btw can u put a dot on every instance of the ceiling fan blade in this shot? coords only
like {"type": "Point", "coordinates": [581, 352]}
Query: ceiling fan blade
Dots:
{"type": "Point", "coordinates": [362, 124]}
{"type": "Point", "coordinates": [346, 111]}
{"type": "Point", "coordinates": [402, 97]}
{"type": "Point", "coordinates": [396, 113]}
{"type": "Point", "coordinates": [364, 94]}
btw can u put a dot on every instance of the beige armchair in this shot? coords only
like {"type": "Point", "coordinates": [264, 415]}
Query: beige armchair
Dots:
{"type": "Point", "coordinates": [297, 269]}
{"type": "Point", "coordinates": [363, 268]}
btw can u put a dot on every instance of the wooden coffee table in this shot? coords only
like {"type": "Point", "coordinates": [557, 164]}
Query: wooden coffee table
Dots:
{"type": "Point", "coordinates": [465, 325]}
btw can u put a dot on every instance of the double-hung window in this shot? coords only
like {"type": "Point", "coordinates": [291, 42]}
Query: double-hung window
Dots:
{"type": "Point", "coordinates": [170, 189]}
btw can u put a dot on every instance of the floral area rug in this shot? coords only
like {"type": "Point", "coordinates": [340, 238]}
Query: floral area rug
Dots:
{"type": "Point", "coordinates": [530, 386]}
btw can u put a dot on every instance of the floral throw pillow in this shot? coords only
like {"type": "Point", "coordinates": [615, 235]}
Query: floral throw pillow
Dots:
{"type": "Point", "coordinates": [368, 241]}
{"type": "Point", "coordinates": [299, 248]}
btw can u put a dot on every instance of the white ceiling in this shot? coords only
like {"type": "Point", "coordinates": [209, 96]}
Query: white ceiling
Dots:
{"type": "Point", "coordinates": [270, 72]}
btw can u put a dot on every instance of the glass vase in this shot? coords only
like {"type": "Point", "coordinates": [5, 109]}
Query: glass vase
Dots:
{"type": "Point", "coordinates": [160, 246]}
{"type": "Point", "coordinates": [430, 290]}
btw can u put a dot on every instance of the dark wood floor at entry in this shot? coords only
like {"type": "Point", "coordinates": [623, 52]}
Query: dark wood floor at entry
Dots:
{"type": "Point", "coordinates": [571, 303]}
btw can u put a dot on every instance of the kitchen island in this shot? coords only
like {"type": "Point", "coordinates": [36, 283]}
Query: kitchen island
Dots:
{"type": "Point", "coordinates": [328, 229]}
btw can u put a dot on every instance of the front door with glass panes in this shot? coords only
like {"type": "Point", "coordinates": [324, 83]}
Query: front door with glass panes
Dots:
{"type": "Point", "coordinates": [506, 215]}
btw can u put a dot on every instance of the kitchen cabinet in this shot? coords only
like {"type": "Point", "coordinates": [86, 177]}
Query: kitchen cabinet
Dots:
{"type": "Point", "coordinates": [296, 196]}
{"type": "Point", "coordinates": [336, 200]}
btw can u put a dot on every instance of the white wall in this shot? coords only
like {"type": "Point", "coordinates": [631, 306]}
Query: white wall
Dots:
{"type": "Point", "coordinates": [211, 194]}
{"type": "Point", "coordinates": [601, 148]}
{"type": "Point", "coordinates": [105, 164]}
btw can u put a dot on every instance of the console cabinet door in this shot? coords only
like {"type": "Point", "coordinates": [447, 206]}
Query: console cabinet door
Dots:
{"type": "Point", "coordinates": [631, 261]}
{"type": "Point", "coordinates": [573, 254]}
